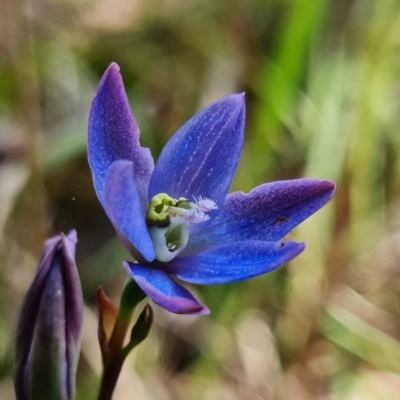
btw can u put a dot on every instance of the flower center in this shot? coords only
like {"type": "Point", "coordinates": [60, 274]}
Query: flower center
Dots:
{"type": "Point", "coordinates": [168, 222]}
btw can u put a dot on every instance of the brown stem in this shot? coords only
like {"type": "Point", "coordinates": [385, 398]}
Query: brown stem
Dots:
{"type": "Point", "coordinates": [110, 378]}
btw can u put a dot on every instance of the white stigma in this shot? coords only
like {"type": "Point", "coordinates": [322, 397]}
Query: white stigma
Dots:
{"type": "Point", "coordinates": [204, 204]}
{"type": "Point", "coordinates": [196, 216]}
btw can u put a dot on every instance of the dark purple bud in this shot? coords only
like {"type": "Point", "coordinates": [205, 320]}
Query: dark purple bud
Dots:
{"type": "Point", "coordinates": [49, 327]}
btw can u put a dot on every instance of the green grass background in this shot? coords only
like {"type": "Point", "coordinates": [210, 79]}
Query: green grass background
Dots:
{"type": "Point", "coordinates": [322, 84]}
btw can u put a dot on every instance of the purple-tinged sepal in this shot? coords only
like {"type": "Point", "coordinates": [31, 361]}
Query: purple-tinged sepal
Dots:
{"type": "Point", "coordinates": [164, 290]}
{"type": "Point", "coordinates": [49, 328]}
{"type": "Point", "coordinates": [114, 135]}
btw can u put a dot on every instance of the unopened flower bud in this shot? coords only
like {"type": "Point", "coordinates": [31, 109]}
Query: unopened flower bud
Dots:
{"type": "Point", "coordinates": [49, 327]}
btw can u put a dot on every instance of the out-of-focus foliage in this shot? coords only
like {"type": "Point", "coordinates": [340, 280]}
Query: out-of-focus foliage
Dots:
{"type": "Point", "coordinates": [322, 83]}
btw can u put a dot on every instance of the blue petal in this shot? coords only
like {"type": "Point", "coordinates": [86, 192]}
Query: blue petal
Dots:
{"type": "Point", "coordinates": [233, 262]}
{"type": "Point", "coordinates": [122, 204]}
{"type": "Point", "coordinates": [267, 213]}
{"type": "Point", "coordinates": [164, 291]}
{"type": "Point", "coordinates": [201, 158]}
{"type": "Point", "coordinates": [114, 135]}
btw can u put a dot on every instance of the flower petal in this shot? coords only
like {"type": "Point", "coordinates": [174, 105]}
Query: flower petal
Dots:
{"type": "Point", "coordinates": [233, 262]}
{"type": "Point", "coordinates": [28, 315]}
{"type": "Point", "coordinates": [47, 364]}
{"type": "Point", "coordinates": [201, 158]}
{"type": "Point", "coordinates": [164, 290]}
{"type": "Point", "coordinates": [269, 212]}
{"type": "Point", "coordinates": [73, 307]}
{"type": "Point", "coordinates": [122, 205]}
{"type": "Point", "coordinates": [49, 328]}
{"type": "Point", "coordinates": [114, 135]}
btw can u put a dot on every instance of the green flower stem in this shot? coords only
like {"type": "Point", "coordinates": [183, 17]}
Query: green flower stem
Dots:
{"type": "Point", "coordinates": [131, 297]}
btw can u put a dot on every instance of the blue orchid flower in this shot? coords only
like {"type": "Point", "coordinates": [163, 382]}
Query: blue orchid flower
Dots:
{"type": "Point", "coordinates": [176, 219]}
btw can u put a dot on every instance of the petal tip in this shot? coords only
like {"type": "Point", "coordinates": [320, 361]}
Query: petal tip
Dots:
{"type": "Point", "coordinates": [125, 265]}
{"type": "Point", "coordinates": [198, 311]}
{"type": "Point", "coordinates": [319, 186]}
{"type": "Point", "coordinates": [72, 235]}
{"type": "Point", "coordinates": [297, 247]}
{"type": "Point", "coordinates": [235, 102]}
{"type": "Point", "coordinates": [111, 76]}
{"type": "Point", "coordinates": [328, 186]}
{"type": "Point", "coordinates": [204, 311]}
{"type": "Point", "coordinates": [113, 68]}
{"type": "Point", "coordinates": [238, 100]}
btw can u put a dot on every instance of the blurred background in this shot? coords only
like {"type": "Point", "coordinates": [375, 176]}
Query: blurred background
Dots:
{"type": "Point", "coordinates": [322, 83]}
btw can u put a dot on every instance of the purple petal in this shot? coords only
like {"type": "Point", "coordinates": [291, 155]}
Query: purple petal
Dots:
{"type": "Point", "coordinates": [164, 290]}
{"type": "Point", "coordinates": [73, 307]}
{"type": "Point", "coordinates": [233, 262]}
{"type": "Point", "coordinates": [46, 364]}
{"type": "Point", "coordinates": [48, 334]}
{"type": "Point", "coordinates": [267, 213]}
{"type": "Point", "coordinates": [114, 135]}
{"type": "Point", "coordinates": [201, 158]}
{"type": "Point", "coordinates": [28, 315]}
{"type": "Point", "coordinates": [122, 204]}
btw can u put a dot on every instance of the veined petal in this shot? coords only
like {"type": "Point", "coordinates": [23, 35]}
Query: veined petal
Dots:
{"type": "Point", "coordinates": [268, 213]}
{"type": "Point", "coordinates": [164, 290]}
{"type": "Point", "coordinates": [114, 135]}
{"type": "Point", "coordinates": [122, 204]}
{"type": "Point", "coordinates": [201, 158]}
{"type": "Point", "coordinates": [233, 262]}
